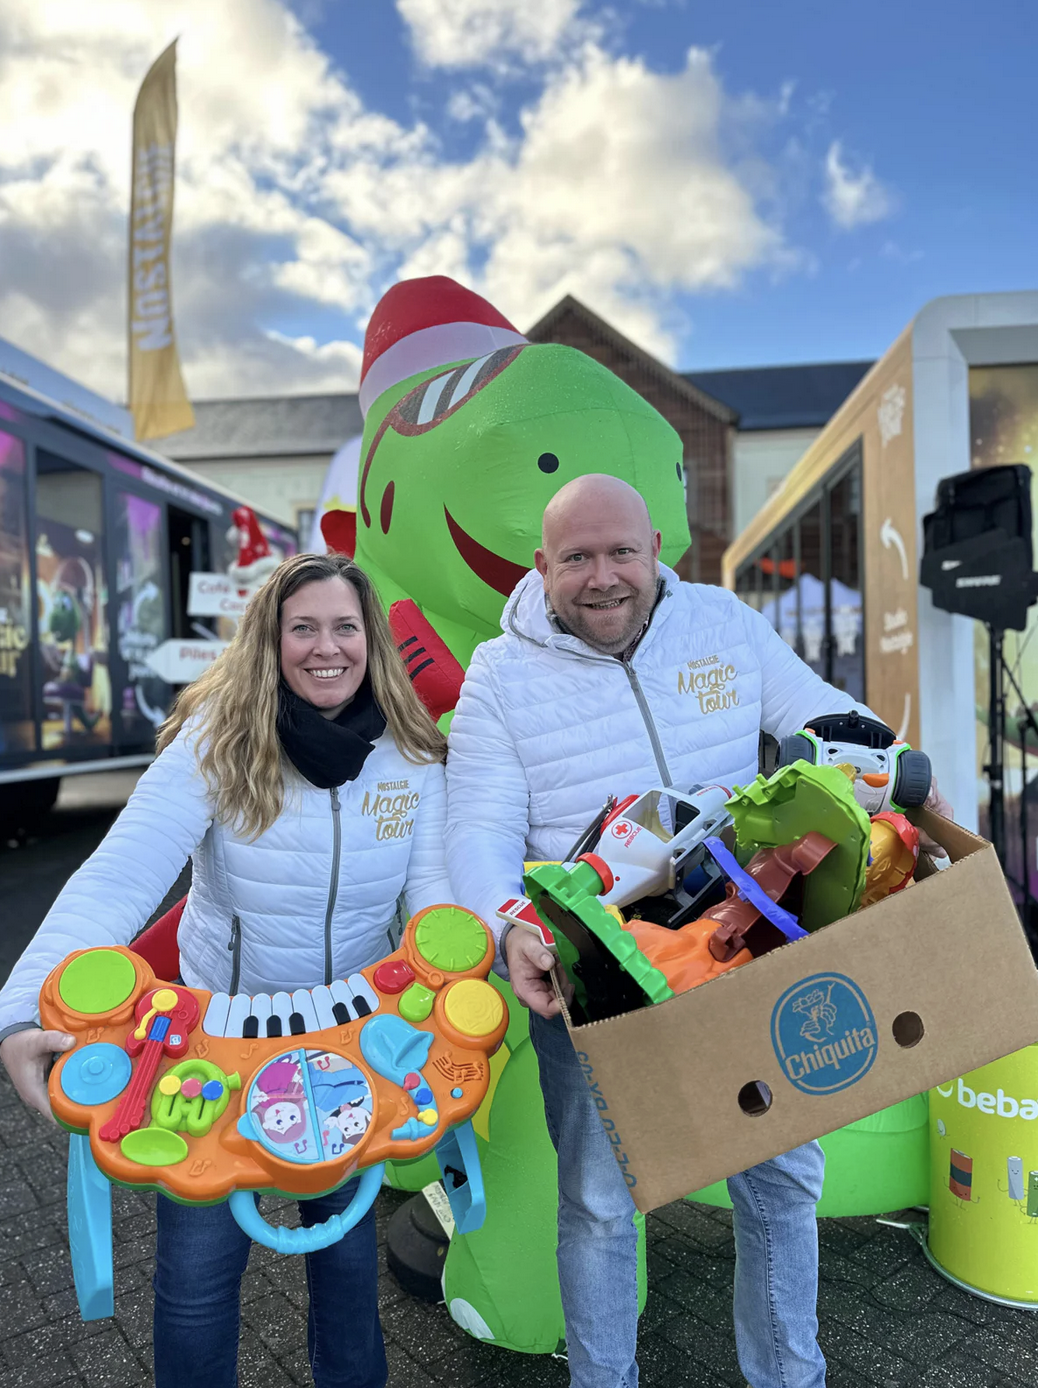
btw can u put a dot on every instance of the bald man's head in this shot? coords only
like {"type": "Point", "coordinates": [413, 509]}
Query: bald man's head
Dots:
{"type": "Point", "coordinates": [594, 492]}
{"type": "Point", "coordinates": [598, 559]}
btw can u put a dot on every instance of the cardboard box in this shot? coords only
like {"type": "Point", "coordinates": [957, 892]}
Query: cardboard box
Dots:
{"type": "Point", "coordinates": [924, 986]}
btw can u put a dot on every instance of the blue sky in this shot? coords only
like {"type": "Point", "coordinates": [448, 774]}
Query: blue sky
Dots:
{"type": "Point", "coordinates": [730, 183]}
{"type": "Point", "coordinates": [937, 98]}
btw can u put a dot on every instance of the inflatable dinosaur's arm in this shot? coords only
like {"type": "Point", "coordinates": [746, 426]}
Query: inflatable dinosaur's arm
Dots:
{"type": "Point", "coordinates": [435, 674]}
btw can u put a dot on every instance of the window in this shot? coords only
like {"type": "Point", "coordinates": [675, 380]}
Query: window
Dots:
{"type": "Point", "coordinates": [17, 726]}
{"type": "Point", "coordinates": [304, 525]}
{"type": "Point", "coordinates": [71, 598]}
{"type": "Point", "coordinates": [845, 605]}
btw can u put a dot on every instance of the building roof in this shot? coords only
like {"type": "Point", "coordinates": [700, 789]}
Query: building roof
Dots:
{"type": "Point", "coordinates": [756, 397]}
{"type": "Point", "coordinates": [681, 384]}
{"type": "Point", "coordinates": [277, 427]}
{"type": "Point", "coordinates": [783, 397]}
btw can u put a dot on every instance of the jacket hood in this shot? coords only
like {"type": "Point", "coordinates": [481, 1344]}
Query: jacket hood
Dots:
{"type": "Point", "coordinates": [526, 615]}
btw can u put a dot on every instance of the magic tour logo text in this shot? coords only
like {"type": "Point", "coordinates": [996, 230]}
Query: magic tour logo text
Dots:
{"type": "Point", "coordinates": [710, 682]}
{"type": "Point", "coordinates": [394, 813]}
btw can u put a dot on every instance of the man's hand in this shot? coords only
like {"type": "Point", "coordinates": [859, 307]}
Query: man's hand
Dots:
{"type": "Point", "coordinates": [26, 1057]}
{"type": "Point", "coordinates": [530, 965]}
{"type": "Point", "coordinates": [935, 801]}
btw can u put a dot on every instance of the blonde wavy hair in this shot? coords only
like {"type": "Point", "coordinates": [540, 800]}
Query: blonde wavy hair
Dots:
{"type": "Point", "coordinates": [235, 702]}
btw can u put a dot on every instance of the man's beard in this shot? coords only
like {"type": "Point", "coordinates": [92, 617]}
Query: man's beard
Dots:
{"type": "Point", "coordinates": [637, 611]}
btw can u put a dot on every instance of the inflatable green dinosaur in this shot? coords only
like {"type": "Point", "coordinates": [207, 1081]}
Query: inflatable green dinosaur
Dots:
{"type": "Point", "coordinates": [461, 455]}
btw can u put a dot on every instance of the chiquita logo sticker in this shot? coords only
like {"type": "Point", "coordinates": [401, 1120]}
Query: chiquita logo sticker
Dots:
{"type": "Point", "coordinates": [824, 1033]}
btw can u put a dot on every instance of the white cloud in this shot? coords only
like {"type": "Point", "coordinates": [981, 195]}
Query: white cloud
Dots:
{"type": "Point", "coordinates": [851, 198]}
{"type": "Point", "coordinates": [470, 33]}
{"type": "Point", "coordinates": [297, 205]}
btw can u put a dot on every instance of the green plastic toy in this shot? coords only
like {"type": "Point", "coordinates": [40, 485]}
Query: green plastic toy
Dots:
{"type": "Point", "coordinates": [456, 467]}
{"type": "Point", "coordinates": [796, 799]}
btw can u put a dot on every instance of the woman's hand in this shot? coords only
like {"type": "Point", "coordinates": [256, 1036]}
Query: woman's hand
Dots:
{"type": "Point", "coordinates": [26, 1057]}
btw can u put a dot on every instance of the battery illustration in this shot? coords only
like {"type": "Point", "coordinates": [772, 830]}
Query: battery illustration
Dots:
{"type": "Point", "coordinates": [960, 1181]}
{"type": "Point", "coordinates": [1032, 1194]}
{"type": "Point", "coordinates": [1015, 1172]}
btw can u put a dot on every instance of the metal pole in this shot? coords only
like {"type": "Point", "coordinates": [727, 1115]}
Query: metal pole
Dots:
{"type": "Point", "coordinates": [1025, 866]}
{"type": "Point", "coordinates": [996, 764]}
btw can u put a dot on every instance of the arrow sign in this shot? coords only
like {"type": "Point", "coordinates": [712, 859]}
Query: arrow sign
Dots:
{"type": "Point", "coordinates": [889, 536]}
{"type": "Point", "coordinates": [180, 662]}
{"type": "Point", "coordinates": [216, 595]}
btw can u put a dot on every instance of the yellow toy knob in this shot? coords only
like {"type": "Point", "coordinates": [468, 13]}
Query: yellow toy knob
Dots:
{"type": "Point", "coordinates": [473, 1007]}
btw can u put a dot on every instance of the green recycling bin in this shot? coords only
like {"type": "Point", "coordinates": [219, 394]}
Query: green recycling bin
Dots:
{"type": "Point", "coordinates": [983, 1232]}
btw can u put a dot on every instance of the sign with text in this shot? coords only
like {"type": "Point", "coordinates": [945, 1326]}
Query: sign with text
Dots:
{"type": "Point", "coordinates": [180, 662]}
{"type": "Point", "coordinates": [216, 595]}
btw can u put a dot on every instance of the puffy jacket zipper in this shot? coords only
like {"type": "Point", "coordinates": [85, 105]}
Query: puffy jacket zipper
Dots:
{"type": "Point", "coordinates": [235, 949]}
{"type": "Point", "coordinates": [333, 885]}
{"type": "Point", "coordinates": [650, 726]}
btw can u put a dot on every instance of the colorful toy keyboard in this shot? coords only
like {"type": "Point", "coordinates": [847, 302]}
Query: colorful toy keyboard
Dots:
{"type": "Point", "coordinates": [208, 1097]}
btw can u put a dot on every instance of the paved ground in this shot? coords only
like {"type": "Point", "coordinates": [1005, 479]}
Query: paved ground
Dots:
{"type": "Point", "coordinates": [888, 1320]}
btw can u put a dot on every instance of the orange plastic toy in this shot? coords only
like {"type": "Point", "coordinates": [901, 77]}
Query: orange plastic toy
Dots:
{"type": "Point", "coordinates": [201, 1094]}
{"type": "Point", "coordinates": [735, 931]}
{"type": "Point", "coordinates": [683, 956]}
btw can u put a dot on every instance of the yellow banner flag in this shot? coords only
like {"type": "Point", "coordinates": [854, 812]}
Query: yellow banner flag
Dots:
{"type": "Point", "coordinates": [158, 401]}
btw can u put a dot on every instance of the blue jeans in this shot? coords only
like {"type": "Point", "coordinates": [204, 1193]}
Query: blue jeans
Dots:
{"type": "Point", "coordinates": [776, 1244]}
{"type": "Point", "coordinates": [200, 1259]}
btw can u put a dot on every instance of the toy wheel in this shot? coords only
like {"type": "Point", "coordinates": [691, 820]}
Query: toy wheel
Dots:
{"type": "Point", "coordinates": [796, 747]}
{"type": "Point", "coordinates": [912, 779]}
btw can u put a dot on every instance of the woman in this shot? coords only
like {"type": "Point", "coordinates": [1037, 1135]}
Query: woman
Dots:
{"type": "Point", "coordinates": [269, 775]}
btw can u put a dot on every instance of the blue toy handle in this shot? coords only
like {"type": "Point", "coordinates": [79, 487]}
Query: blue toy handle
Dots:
{"type": "Point", "coordinates": [463, 1177]}
{"type": "Point", "coordinates": [90, 1231]}
{"type": "Point", "coordinates": [749, 890]}
{"type": "Point", "coordinates": [281, 1240]}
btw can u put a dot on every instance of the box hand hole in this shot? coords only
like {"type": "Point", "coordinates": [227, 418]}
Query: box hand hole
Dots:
{"type": "Point", "coordinates": [908, 1029]}
{"type": "Point", "coordinates": [755, 1098]}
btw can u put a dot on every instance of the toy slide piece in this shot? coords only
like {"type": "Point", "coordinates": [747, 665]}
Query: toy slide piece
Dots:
{"type": "Point", "coordinates": [798, 800]}
{"type": "Point", "coordinates": [318, 1236]}
{"type": "Point", "coordinates": [463, 1177]}
{"type": "Point", "coordinates": [90, 1232]}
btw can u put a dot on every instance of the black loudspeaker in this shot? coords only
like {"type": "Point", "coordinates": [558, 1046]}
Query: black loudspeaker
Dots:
{"type": "Point", "coordinates": [978, 556]}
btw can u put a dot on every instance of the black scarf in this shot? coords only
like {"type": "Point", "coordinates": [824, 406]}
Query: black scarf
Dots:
{"type": "Point", "coordinates": [329, 751]}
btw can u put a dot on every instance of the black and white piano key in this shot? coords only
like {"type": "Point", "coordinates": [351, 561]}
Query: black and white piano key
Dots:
{"type": "Point", "coordinates": [215, 1021]}
{"type": "Point", "coordinates": [280, 1020]}
{"type": "Point", "coordinates": [324, 1006]}
{"type": "Point", "coordinates": [304, 1014]}
{"type": "Point", "coordinates": [256, 1022]}
{"type": "Point", "coordinates": [239, 1010]}
{"type": "Point", "coordinates": [365, 999]}
{"type": "Point", "coordinates": [291, 1014]}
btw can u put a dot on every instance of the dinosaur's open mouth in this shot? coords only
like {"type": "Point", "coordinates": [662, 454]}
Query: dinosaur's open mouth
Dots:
{"type": "Point", "coordinates": [501, 574]}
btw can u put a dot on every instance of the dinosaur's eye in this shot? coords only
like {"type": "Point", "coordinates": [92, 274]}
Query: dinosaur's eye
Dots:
{"type": "Point", "coordinates": [678, 466]}
{"type": "Point", "coordinates": [548, 462]}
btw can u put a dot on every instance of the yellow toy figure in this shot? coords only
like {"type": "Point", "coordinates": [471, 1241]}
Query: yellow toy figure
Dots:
{"type": "Point", "coordinates": [893, 855]}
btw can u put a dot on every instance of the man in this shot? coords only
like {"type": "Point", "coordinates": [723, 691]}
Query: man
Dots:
{"type": "Point", "coordinates": [587, 694]}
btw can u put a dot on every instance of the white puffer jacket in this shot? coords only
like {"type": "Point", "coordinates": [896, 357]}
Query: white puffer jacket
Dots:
{"type": "Point", "coordinates": [309, 901]}
{"type": "Point", "coordinates": [546, 727]}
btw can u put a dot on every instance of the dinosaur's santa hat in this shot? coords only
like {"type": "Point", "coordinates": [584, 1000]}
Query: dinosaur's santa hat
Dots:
{"type": "Point", "coordinates": [421, 324]}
